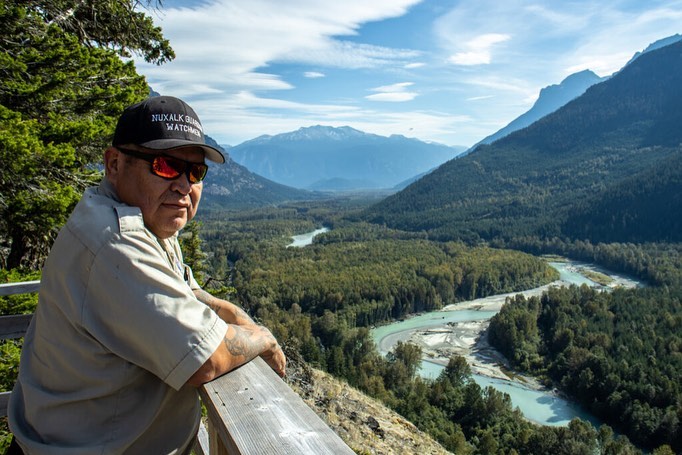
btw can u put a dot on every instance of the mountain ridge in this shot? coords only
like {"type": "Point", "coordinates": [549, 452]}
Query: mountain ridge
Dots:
{"type": "Point", "coordinates": [549, 100]}
{"type": "Point", "coordinates": [555, 96]}
{"type": "Point", "coordinates": [528, 182]}
{"type": "Point", "coordinates": [231, 185]}
{"type": "Point", "coordinates": [311, 156]}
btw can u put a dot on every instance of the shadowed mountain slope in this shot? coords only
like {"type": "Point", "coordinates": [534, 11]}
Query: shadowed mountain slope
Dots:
{"type": "Point", "coordinates": [533, 181]}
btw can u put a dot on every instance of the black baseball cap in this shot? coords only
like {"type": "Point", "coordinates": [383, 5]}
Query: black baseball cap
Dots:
{"type": "Point", "coordinates": [163, 123]}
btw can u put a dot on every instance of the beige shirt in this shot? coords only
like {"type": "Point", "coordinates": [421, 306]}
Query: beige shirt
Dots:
{"type": "Point", "coordinates": [116, 335]}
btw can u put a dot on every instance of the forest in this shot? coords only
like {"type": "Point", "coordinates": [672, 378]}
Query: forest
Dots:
{"type": "Point", "coordinates": [618, 353]}
{"type": "Point", "coordinates": [65, 79]}
{"type": "Point", "coordinates": [323, 298]}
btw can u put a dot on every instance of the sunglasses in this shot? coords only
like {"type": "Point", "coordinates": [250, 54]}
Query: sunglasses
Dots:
{"type": "Point", "coordinates": [170, 168]}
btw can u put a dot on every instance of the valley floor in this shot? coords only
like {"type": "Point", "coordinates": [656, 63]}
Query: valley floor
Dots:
{"type": "Point", "coordinates": [468, 339]}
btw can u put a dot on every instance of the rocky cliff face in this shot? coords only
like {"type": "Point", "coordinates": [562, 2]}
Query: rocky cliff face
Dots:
{"type": "Point", "coordinates": [365, 424]}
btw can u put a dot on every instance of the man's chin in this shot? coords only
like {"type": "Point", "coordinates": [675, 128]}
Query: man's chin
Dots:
{"type": "Point", "coordinates": [169, 228]}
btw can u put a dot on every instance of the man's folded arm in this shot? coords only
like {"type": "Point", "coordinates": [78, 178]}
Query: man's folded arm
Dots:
{"type": "Point", "coordinates": [241, 344]}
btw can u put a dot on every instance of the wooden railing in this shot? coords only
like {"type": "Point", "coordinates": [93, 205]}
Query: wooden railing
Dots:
{"type": "Point", "coordinates": [251, 410]}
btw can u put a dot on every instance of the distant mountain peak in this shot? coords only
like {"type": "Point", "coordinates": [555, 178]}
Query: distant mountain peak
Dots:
{"type": "Point", "coordinates": [311, 133]}
{"type": "Point", "coordinates": [317, 132]}
{"type": "Point", "coordinates": [318, 155]}
{"type": "Point", "coordinates": [549, 100]}
{"type": "Point", "coordinates": [554, 96]}
{"type": "Point", "coordinates": [656, 45]}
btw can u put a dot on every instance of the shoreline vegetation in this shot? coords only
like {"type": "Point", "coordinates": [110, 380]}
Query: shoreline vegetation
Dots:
{"type": "Point", "coordinates": [469, 339]}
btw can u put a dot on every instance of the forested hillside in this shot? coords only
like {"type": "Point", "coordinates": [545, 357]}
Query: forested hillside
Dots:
{"type": "Point", "coordinates": [575, 159]}
{"type": "Point", "coordinates": [605, 168]}
{"type": "Point", "coordinates": [618, 354]}
{"type": "Point", "coordinates": [641, 208]}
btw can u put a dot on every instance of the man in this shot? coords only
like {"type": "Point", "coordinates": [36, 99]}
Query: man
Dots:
{"type": "Point", "coordinates": [122, 333]}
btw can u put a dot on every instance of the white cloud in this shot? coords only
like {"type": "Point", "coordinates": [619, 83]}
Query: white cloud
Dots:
{"type": "Point", "coordinates": [414, 65]}
{"type": "Point", "coordinates": [478, 50]}
{"type": "Point", "coordinates": [479, 98]}
{"type": "Point", "coordinates": [395, 97]}
{"type": "Point", "coordinates": [224, 43]}
{"type": "Point", "coordinates": [399, 87]}
{"type": "Point", "coordinates": [393, 93]}
{"type": "Point", "coordinates": [349, 55]}
{"type": "Point", "coordinates": [313, 74]}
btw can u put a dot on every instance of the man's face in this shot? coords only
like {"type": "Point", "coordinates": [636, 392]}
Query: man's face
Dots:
{"type": "Point", "coordinates": [167, 205]}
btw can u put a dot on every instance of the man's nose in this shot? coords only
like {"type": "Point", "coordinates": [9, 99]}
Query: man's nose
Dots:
{"type": "Point", "coordinates": [182, 184]}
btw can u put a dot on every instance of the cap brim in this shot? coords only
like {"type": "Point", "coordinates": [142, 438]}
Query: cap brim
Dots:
{"type": "Point", "coordinates": [211, 153]}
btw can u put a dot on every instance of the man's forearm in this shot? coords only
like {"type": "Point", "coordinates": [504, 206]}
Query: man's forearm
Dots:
{"type": "Point", "coordinates": [227, 311]}
{"type": "Point", "coordinates": [241, 344]}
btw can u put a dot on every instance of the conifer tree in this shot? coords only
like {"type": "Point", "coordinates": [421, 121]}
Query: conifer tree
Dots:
{"type": "Point", "coordinates": [63, 84]}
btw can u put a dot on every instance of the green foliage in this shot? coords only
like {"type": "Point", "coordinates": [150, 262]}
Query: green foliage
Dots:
{"type": "Point", "coordinates": [319, 300]}
{"type": "Point", "coordinates": [117, 25]}
{"type": "Point", "coordinates": [617, 353]}
{"type": "Point", "coordinates": [20, 303]}
{"type": "Point", "coordinates": [10, 350]}
{"type": "Point", "coordinates": [192, 253]}
{"type": "Point", "coordinates": [60, 95]}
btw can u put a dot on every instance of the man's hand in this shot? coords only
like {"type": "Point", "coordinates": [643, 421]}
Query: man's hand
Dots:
{"type": "Point", "coordinates": [244, 340]}
{"type": "Point", "coordinates": [276, 359]}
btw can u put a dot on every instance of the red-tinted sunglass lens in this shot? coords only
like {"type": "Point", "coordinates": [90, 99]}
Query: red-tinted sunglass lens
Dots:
{"type": "Point", "coordinates": [171, 168]}
{"type": "Point", "coordinates": [197, 172]}
{"type": "Point", "coordinates": [168, 168]}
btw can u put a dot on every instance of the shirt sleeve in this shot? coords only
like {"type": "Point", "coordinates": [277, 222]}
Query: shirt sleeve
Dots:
{"type": "Point", "coordinates": [143, 311]}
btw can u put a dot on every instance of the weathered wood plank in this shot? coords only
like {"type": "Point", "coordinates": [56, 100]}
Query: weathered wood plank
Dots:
{"type": "Point", "coordinates": [256, 412]}
{"type": "Point", "coordinates": [201, 446]}
{"type": "Point", "coordinates": [19, 288]}
{"type": "Point", "coordinates": [14, 326]}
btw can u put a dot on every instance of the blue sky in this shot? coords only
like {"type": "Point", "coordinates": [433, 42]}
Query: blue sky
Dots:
{"type": "Point", "coordinates": [448, 71]}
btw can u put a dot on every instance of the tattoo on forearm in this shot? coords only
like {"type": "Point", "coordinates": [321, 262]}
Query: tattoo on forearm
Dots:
{"type": "Point", "coordinates": [242, 343]}
{"type": "Point", "coordinates": [233, 314]}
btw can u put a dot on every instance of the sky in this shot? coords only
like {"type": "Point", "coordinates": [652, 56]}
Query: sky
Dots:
{"type": "Point", "coordinates": [445, 71]}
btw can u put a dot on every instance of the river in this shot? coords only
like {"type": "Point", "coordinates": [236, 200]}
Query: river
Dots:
{"type": "Point", "coordinates": [457, 328]}
{"type": "Point", "coordinates": [306, 239]}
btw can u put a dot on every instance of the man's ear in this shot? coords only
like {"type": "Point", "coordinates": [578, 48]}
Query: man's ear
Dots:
{"type": "Point", "coordinates": [112, 163]}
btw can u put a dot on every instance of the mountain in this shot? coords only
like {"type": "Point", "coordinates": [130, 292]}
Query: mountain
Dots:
{"type": "Point", "coordinates": [231, 185]}
{"type": "Point", "coordinates": [550, 99]}
{"type": "Point", "coordinates": [541, 179]}
{"type": "Point", "coordinates": [327, 158]}
{"type": "Point", "coordinates": [553, 97]}
{"type": "Point", "coordinates": [657, 45]}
